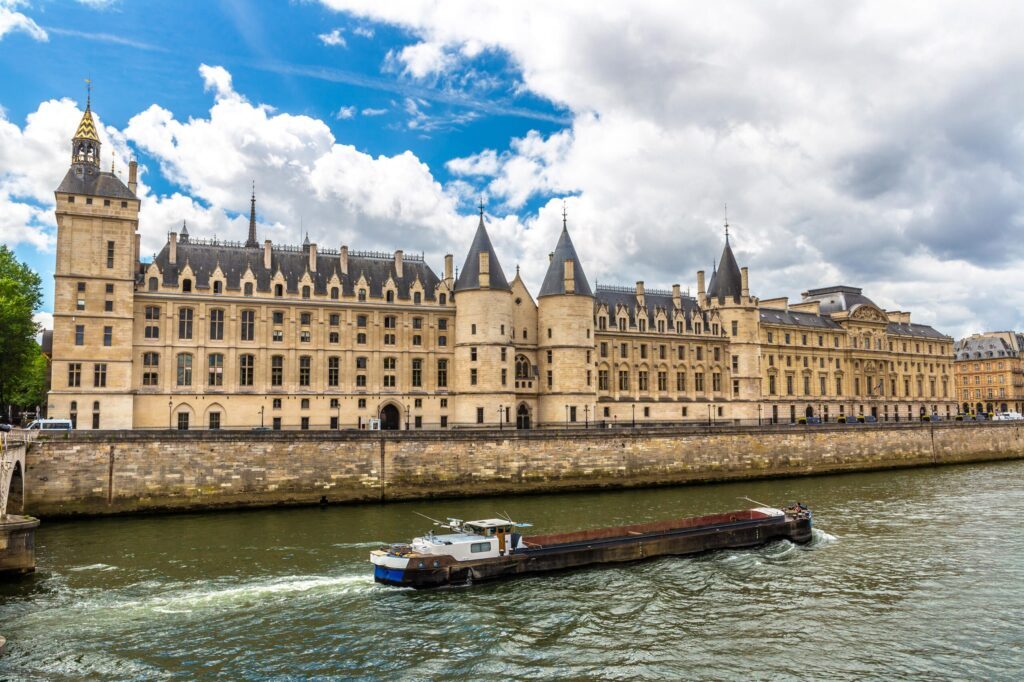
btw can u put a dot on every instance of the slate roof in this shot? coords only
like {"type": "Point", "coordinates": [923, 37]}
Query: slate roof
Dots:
{"type": "Point", "coordinates": [798, 319]}
{"type": "Point", "coordinates": [469, 276]}
{"type": "Point", "coordinates": [85, 179]}
{"type": "Point", "coordinates": [983, 347]}
{"type": "Point", "coordinates": [204, 257]}
{"type": "Point", "coordinates": [920, 330]}
{"type": "Point", "coordinates": [613, 297]}
{"type": "Point", "coordinates": [838, 298]}
{"type": "Point", "coordinates": [554, 280]}
{"type": "Point", "coordinates": [727, 282]}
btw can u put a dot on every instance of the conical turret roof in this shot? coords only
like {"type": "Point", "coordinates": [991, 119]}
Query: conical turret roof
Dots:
{"type": "Point", "coordinates": [554, 280]}
{"type": "Point", "coordinates": [87, 127]}
{"type": "Point", "coordinates": [469, 276]}
{"type": "Point", "coordinates": [727, 282]}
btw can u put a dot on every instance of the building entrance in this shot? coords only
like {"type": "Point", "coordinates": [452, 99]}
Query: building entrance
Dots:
{"type": "Point", "coordinates": [523, 417]}
{"type": "Point", "coordinates": [390, 419]}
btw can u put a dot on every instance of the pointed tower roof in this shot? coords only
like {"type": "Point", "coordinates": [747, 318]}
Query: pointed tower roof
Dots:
{"type": "Point", "coordinates": [712, 283]}
{"type": "Point", "coordinates": [184, 232]}
{"type": "Point", "coordinates": [554, 280]}
{"type": "Point", "coordinates": [251, 241]}
{"type": "Point", "coordinates": [469, 277]}
{"type": "Point", "coordinates": [727, 282]}
{"type": "Point", "coordinates": [87, 127]}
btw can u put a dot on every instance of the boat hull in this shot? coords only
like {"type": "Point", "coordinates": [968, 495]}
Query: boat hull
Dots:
{"type": "Point", "coordinates": [428, 572]}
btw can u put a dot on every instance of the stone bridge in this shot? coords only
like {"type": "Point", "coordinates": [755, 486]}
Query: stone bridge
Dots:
{"type": "Point", "coordinates": [17, 532]}
{"type": "Point", "coordinates": [12, 474]}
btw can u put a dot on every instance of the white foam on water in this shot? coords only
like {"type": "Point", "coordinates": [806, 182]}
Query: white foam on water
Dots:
{"type": "Point", "coordinates": [253, 592]}
{"type": "Point", "coordinates": [359, 545]}
{"type": "Point", "coordinates": [820, 538]}
{"type": "Point", "coordinates": [94, 567]}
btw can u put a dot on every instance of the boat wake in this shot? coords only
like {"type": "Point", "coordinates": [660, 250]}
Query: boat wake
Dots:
{"type": "Point", "coordinates": [359, 545]}
{"type": "Point", "coordinates": [94, 567]}
{"type": "Point", "coordinates": [820, 538]}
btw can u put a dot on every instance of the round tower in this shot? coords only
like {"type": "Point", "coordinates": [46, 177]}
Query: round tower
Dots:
{"type": "Point", "coordinates": [484, 363]}
{"type": "Point", "coordinates": [565, 340]}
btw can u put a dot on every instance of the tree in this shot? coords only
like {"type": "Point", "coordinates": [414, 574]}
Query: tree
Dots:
{"type": "Point", "coordinates": [20, 295]}
{"type": "Point", "coordinates": [29, 390]}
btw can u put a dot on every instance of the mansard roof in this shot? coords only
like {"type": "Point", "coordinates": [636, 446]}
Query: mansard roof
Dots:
{"type": "Point", "coordinates": [726, 282]}
{"type": "Point", "coordinates": [838, 298]}
{"type": "Point", "coordinates": [613, 297]}
{"type": "Point", "coordinates": [797, 319]}
{"type": "Point", "coordinates": [983, 348]}
{"type": "Point", "coordinates": [95, 183]}
{"type": "Point", "coordinates": [204, 256]}
{"type": "Point", "coordinates": [554, 280]}
{"type": "Point", "coordinates": [469, 276]}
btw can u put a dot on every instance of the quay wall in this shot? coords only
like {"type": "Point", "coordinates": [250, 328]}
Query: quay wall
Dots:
{"type": "Point", "coordinates": [142, 471]}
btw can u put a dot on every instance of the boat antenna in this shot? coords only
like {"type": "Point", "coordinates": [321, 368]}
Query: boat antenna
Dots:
{"type": "Point", "coordinates": [439, 523]}
{"type": "Point", "coordinates": [762, 504]}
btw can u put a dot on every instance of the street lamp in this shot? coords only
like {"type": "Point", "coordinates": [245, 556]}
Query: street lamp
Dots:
{"type": "Point", "coordinates": [709, 414]}
{"type": "Point", "coordinates": [586, 416]}
{"type": "Point", "coordinates": [759, 414]}
{"type": "Point", "coordinates": [500, 409]}
{"type": "Point", "coordinates": [407, 417]}
{"type": "Point", "coordinates": [170, 404]}
{"type": "Point", "coordinates": [566, 416]}
{"type": "Point", "coordinates": [262, 407]}
{"type": "Point", "coordinates": [337, 407]}
{"type": "Point", "coordinates": [634, 414]}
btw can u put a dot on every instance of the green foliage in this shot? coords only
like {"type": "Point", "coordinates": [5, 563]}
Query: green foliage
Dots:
{"type": "Point", "coordinates": [29, 388]}
{"type": "Point", "coordinates": [20, 295]}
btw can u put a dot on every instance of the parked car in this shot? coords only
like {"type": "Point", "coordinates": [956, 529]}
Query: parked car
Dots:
{"type": "Point", "coordinates": [5, 427]}
{"type": "Point", "coordinates": [50, 425]}
{"type": "Point", "coordinates": [1007, 416]}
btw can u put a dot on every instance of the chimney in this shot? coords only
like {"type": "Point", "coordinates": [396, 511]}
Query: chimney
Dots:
{"type": "Point", "coordinates": [398, 264]}
{"type": "Point", "coordinates": [448, 266]}
{"type": "Point", "coordinates": [267, 254]}
{"type": "Point", "coordinates": [677, 296]}
{"type": "Point", "coordinates": [570, 276]}
{"type": "Point", "coordinates": [744, 287]}
{"type": "Point", "coordinates": [133, 175]}
{"type": "Point", "coordinates": [312, 257]}
{"type": "Point", "coordinates": [485, 270]}
{"type": "Point", "coordinates": [551, 257]}
{"type": "Point", "coordinates": [172, 252]}
{"type": "Point", "coordinates": [344, 259]}
{"type": "Point", "coordinates": [640, 292]}
{"type": "Point", "coordinates": [700, 282]}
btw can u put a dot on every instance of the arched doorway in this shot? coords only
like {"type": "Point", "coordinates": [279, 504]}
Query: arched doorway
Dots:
{"type": "Point", "coordinates": [1002, 407]}
{"type": "Point", "coordinates": [967, 408]}
{"type": "Point", "coordinates": [809, 412]}
{"type": "Point", "coordinates": [979, 408]}
{"type": "Point", "coordinates": [390, 418]}
{"type": "Point", "coordinates": [523, 417]}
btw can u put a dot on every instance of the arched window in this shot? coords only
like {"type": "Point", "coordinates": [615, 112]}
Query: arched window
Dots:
{"type": "Point", "coordinates": [442, 299]}
{"type": "Point", "coordinates": [334, 293]}
{"type": "Point", "coordinates": [305, 292]}
{"type": "Point", "coordinates": [74, 414]}
{"type": "Point", "coordinates": [247, 289]}
{"type": "Point", "coordinates": [154, 284]}
{"type": "Point", "coordinates": [523, 368]}
{"type": "Point", "coordinates": [390, 296]}
{"type": "Point", "coordinates": [416, 297]}
{"type": "Point", "coordinates": [96, 414]}
{"type": "Point", "coordinates": [362, 294]}
{"type": "Point", "coordinates": [279, 290]}
{"type": "Point", "coordinates": [218, 287]}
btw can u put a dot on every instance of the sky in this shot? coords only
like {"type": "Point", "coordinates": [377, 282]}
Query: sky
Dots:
{"type": "Point", "coordinates": [871, 144]}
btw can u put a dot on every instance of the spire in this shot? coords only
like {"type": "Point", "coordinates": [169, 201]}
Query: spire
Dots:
{"type": "Point", "coordinates": [184, 232]}
{"type": "Point", "coordinates": [712, 283]}
{"type": "Point", "coordinates": [728, 282]}
{"type": "Point", "coordinates": [554, 280]}
{"type": "Point", "coordinates": [85, 145]}
{"type": "Point", "coordinates": [469, 278]}
{"type": "Point", "coordinates": [250, 243]}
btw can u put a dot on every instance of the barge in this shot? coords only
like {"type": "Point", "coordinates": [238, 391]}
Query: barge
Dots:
{"type": "Point", "coordinates": [490, 549]}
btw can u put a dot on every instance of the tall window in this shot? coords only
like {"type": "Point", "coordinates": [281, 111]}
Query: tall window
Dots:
{"type": "Point", "coordinates": [216, 365]}
{"type": "Point", "coordinates": [246, 369]}
{"type": "Point", "coordinates": [417, 373]}
{"type": "Point", "coordinates": [442, 374]}
{"type": "Point", "coordinates": [150, 369]}
{"type": "Point", "coordinates": [99, 375]}
{"type": "Point", "coordinates": [623, 380]}
{"type": "Point", "coordinates": [110, 254]}
{"type": "Point", "coordinates": [152, 322]}
{"type": "Point", "coordinates": [216, 325]}
{"type": "Point", "coordinates": [79, 334]}
{"type": "Point", "coordinates": [108, 336]}
{"type": "Point", "coordinates": [248, 326]}
{"type": "Point", "coordinates": [74, 374]}
{"type": "Point", "coordinates": [184, 369]}
{"type": "Point", "coordinates": [304, 370]}
{"type": "Point", "coordinates": [184, 323]}
{"type": "Point", "coordinates": [277, 370]}
{"type": "Point", "coordinates": [333, 370]}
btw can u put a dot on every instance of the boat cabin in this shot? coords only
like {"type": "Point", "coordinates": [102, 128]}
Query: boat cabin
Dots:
{"type": "Point", "coordinates": [488, 528]}
{"type": "Point", "coordinates": [485, 539]}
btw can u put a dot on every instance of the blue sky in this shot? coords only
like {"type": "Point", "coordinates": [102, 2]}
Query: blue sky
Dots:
{"type": "Point", "coordinates": [871, 143]}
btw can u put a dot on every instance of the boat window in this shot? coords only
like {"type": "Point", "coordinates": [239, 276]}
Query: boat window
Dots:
{"type": "Point", "coordinates": [480, 547]}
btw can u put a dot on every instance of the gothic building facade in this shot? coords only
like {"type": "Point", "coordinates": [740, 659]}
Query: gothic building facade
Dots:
{"type": "Point", "coordinates": [213, 334]}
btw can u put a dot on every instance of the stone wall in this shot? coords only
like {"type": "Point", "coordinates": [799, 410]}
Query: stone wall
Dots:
{"type": "Point", "coordinates": [100, 473]}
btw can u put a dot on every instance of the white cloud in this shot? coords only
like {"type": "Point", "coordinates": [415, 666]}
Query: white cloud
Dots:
{"type": "Point", "coordinates": [11, 21]}
{"type": "Point", "coordinates": [370, 111]}
{"type": "Point", "coordinates": [334, 38]}
{"type": "Point", "coordinates": [97, 4]}
{"type": "Point", "coordinates": [345, 113]}
{"type": "Point", "coordinates": [218, 79]}
{"type": "Point", "coordinates": [363, 31]}
{"type": "Point", "coordinates": [43, 319]}
{"type": "Point", "coordinates": [870, 142]}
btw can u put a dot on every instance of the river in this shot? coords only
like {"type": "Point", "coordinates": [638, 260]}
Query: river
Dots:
{"type": "Point", "coordinates": [911, 574]}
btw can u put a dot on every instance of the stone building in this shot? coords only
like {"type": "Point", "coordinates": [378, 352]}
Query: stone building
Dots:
{"type": "Point", "coordinates": [990, 372]}
{"type": "Point", "coordinates": [215, 334]}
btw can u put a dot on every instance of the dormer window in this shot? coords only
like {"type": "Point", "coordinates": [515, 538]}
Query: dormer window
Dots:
{"type": "Point", "coordinates": [442, 299]}
{"type": "Point", "coordinates": [247, 289]}
{"type": "Point", "coordinates": [305, 292]}
{"type": "Point", "coordinates": [334, 293]}
{"type": "Point", "coordinates": [218, 287]}
{"type": "Point", "coordinates": [390, 297]}
{"type": "Point", "coordinates": [186, 285]}
{"type": "Point", "coordinates": [153, 284]}
{"type": "Point", "coordinates": [279, 290]}
{"type": "Point", "coordinates": [362, 294]}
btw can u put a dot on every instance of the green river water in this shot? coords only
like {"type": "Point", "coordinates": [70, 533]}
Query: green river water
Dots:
{"type": "Point", "coordinates": [913, 574]}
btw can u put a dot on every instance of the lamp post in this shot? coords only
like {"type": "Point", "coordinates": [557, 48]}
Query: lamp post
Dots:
{"type": "Point", "coordinates": [759, 414]}
{"type": "Point", "coordinates": [338, 411]}
{"type": "Point", "coordinates": [709, 415]}
{"type": "Point", "coordinates": [586, 416]}
{"type": "Point", "coordinates": [500, 409]}
{"type": "Point", "coordinates": [634, 414]}
{"type": "Point", "coordinates": [262, 407]}
{"type": "Point", "coordinates": [407, 417]}
{"type": "Point", "coordinates": [566, 416]}
{"type": "Point", "coordinates": [170, 405]}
